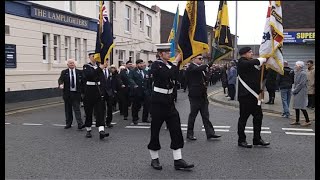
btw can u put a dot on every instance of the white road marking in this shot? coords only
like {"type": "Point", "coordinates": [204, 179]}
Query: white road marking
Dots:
{"type": "Point", "coordinates": [138, 127]}
{"type": "Point", "coordinates": [184, 129]}
{"type": "Point", "coordinates": [220, 126]}
{"type": "Point", "coordinates": [33, 108]}
{"type": "Point", "coordinates": [218, 130]}
{"type": "Point", "coordinates": [296, 129]}
{"type": "Point", "coordinates": [113, 123]}
{"type": "Point", "coordinates": [31, 124]}
{"type": "Point", "coordinates": [186, 125]}
{"type": "Point", "coordinates": [144, 124]}
{"type": "Point", "coordinates": [261, 128]}
{"type": "Point", "coordinates": [7, 123]}
{"type": "Point", "coordinates": [262, 132]}
{"type": "Point", "coordinates": [58, 125]}
{"type": "Point", "coordinates": [297, 133]}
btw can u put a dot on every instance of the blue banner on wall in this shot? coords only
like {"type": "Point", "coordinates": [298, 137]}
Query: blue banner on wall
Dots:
{"type": "Point", "coordinates": [298, 37]}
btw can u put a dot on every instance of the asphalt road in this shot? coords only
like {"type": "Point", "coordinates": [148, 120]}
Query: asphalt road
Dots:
{"type": "Point", "coordinates": [42, 149]}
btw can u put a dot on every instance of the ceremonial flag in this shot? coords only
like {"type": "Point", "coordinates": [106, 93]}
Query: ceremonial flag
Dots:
{"type": "Point", "coordinates": [172, 35]}
{"type": "Point", "coordinates": [104, 41]}
{"type": "Point", "coordinates": [222, 41]}
{"type": "Point", "coordinates": [272, 41]}
{"type": "Point", "coordinates": [193, 38]}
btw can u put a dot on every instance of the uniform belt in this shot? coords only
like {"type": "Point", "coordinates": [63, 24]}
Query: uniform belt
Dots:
{"type": "Point", "coordinates": [163, 91]}
{"type": "Point", "coordinates": [90, 83]}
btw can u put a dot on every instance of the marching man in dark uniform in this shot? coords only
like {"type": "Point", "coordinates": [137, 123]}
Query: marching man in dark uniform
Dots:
{"type": "Point", "coordinates": [94, 95]}
{"type": "Point", "coordinates": [70, 81]}
{"type": "Point", "coordinates": [249, 88]}
{"type": "Point", "coordinates": [163, 109]}
{"type": "Point", "coordinates": [197, 85]}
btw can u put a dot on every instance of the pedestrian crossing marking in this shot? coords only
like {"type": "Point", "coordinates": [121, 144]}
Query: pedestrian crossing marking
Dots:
{"type": "Point", "coordinates": [138, 127]}
{"type": "Point", "coordinates": [7, 123]}
{"type": "Point", "coordinates": [262, 132]}
{"type": "Point", "coordinates": [31, 124]}
{"type": "Point", "coordinates": [297, 133]}
{"type": "Point", "coordinates": [218, 130]}
{"type": "Point", "coordinates": [144, 124]}
{"type": "Point", "coordinates": [184, 129]}
{"type": "Point", "coordinates": [264, 128]}
{"type": "Point", "coordinates": [296, 129]}
{"type": "Point", "coordinates": [186, 125]}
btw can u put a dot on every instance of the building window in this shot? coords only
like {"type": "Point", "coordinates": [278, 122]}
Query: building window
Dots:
{"type": "Point", "coordinates": [7, 29]}
{"type": "Point", "coordinates": [97, 9]}
{"type": "Point", "coordinates": [84, 48]}
{"type": "Point", "coordinates": [131, 55]}
{"type": "Point", "coordinates": [45, 48]}
{"type": "Point", "coordinates": [114, 10]}
{"type": "Point", "coordinates": [121, 55]}
{"type": "Point", "coordinates": [56, 48]}
{"type": "Point", "coordinates": [128, 19]}
{"type": "Point", "coordinates": [141, 20]}
{"type": "Point", "coordinates": [135, 15]}
{"type": "Point", "coordinates": [149, 25]}
{"type": "Point", "coordinates": [67, 45]}
{"type": "Point", "coordinates": [77, 49]}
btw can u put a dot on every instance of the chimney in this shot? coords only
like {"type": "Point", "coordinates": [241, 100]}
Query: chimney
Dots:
{"type": "Point", "coordinates": [155, 8]}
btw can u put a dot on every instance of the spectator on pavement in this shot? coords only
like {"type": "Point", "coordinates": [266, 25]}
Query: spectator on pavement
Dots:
{"type": "Point", "coordinates": [232, 79]}
{"type": "Point", "coordinates": [311, 87]}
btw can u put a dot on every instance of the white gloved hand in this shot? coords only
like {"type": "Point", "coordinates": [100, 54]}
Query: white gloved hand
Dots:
{"type": "Point", "coordinates": [262, 60]}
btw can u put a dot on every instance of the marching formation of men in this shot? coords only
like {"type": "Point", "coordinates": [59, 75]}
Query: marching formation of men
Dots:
{"type": "Point", "coordinates": [154, 88]}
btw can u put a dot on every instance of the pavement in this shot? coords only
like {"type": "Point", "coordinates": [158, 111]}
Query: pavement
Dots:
{"type": "Point", "coordinates": [216, 96]}
{"type": "Point", "coordinates": [276, 108]}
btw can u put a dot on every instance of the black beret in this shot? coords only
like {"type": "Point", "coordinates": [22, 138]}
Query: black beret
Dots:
{"type": "Point", "coordinates": [150, 61]}
{"type": "Point", "coordinates": [139, 61]}
{"type": "Point", "coordinates": [128, 62]}
{"type": "Point", "coordinates": [92, 53]}
{"type": "Point", "coordinates": [244, 50]}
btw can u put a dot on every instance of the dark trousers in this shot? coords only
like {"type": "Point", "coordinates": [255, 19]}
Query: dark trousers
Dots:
{"type": "Point", "coordinates": [311, 100]}
{"type": "Point", "coordinates": [248, 106]}
{"type": "Point", "coordinates": [305, 113]}
{"type": "Point", "coordinates": [168, 113]}
{"type": "Point", "coordinates": [109, 104]}
{"type": "Point", "coordinates": [272, 94]}
{"type": "Point", "coordinates": [146, 108]}
{"type": "Point", "coordinates": [199, 104]}
{"type": "Point", "coordinates": [231, 91]}
{"type": "Point", "coordinates": [93, 100]}
{"type": "Point", "coordinates": [124, 101]}
{"type": "Point", "coordinates": [139, 101]}
{"type": "Point", "coordinates": [72, 101]}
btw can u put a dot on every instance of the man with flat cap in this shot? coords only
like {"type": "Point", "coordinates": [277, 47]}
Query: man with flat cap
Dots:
{"type": "Point", "coordinates": [94, 95]}
{"type": "Point", "coordinates": [248, 96]}
{"type": "Point", "coordinates": [163, 109]}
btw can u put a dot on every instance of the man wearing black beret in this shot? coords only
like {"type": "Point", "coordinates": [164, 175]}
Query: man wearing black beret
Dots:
{"type": "Point", "coordinates": [248, 96]}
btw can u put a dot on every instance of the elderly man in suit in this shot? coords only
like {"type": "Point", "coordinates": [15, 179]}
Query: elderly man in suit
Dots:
{"type": "Point", "coordinates": [70, 82]}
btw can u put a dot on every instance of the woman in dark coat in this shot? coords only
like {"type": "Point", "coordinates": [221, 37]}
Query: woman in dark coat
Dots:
{"type": "Point", "coordinates": [224, 79]}
{"type": "Point", "coordinates": [271, 86]}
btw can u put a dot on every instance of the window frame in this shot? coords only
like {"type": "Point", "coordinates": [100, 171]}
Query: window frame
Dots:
{"type": "Point", "coordinates": [67, 47]}
{"type": "Point", "coordinates": [77, 50]}
{"type": "Point", "coordinates": [127, 19]}
{"type": "Point", "coordinates": [149, 26]}
{"type": "Point", "coordinates": [141, 20]}
{"type": "Point", "coordinates": [57, 49]}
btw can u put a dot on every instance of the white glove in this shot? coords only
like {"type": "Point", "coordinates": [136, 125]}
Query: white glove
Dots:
{"type": "Point", "coordinates": [262, 60]}
{"type": "Point", "coordinates": [61, 86]}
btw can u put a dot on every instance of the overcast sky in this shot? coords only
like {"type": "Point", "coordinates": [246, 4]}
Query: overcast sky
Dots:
{"type": "Point", "coordinates": [251, 16]}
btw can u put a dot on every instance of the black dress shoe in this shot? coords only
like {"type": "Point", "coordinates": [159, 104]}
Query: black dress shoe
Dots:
{"type": "Point", "coordinates": [88, 135]}
{"type": "Point", "coordinates": [156, 164]}
{"type": "Point", "coordinates": [109, 125]}
{"type": "Point", "coordinates": [192, 138]}
{"type": "Point", "coordinates": [81, 126]}
{"type": "Point", "coordinates": [125, 118]}
{"type": "Point", "coordinates": [244, 144]}
{"type": "Point", "coordinates": [182, 165]}
{"type": "Point", "coordinates": [260, 142]}
{"type": "Point", "coordinates": [213, 136]}
{"type": "Point", "coordinates": [135, 122]}
{"type": "Point", "coordinates": [67, 126]}
{"type": "Point", "coordinates": [103, 134]}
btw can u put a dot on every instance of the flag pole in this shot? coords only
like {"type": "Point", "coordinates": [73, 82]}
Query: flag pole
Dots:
{"type": "Point", "coordinates": [236, 34]}
{"type": "Point", "coordinates": [111, 24]}
{"type": "Point", "coordinates": [261, 95]}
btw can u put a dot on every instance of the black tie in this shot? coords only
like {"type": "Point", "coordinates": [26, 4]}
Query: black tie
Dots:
{"type": "Point", "coordinates": [72, 79]}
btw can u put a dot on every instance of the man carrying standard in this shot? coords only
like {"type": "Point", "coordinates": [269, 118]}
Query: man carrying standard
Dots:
{"type": "Point", "coordinates": [248, 90]}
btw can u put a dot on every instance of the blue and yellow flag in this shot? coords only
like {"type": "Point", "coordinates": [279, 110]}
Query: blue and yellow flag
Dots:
{"type": "Point", "coordinates": [172, 35]}
{"type": "Point", "coordinates": [193, 38]}
{"type": "Point", "coordinates": [222, 41]}
{"type": "Point", "coordinates": [104, 41]}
